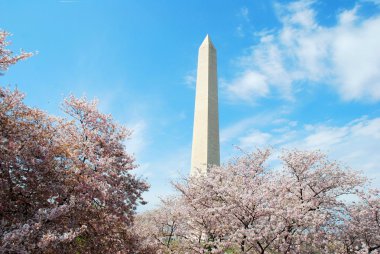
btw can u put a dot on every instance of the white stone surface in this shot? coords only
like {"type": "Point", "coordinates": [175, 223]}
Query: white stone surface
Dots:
{"type": "Point", "coordinates": [205, 148]}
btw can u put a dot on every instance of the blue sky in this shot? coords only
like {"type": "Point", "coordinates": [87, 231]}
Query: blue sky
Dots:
{"type": "Point", "coordinates": [300, 74]}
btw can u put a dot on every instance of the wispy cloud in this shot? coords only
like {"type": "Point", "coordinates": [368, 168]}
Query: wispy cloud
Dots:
{"type": "Point", "coordinates": [170, 167]}
{"type": "Point", "coordinates": [254, 139]}
{"type": "Point", "coordinates": [243, 16]}
{"type": "Point", "coordinates": [376, 2]}
{"type": "Point", "coordinates": [138, 140]}
{"type": "Point", "coordinates": [355, 144]}
{"type": "Point", "coordinates": [344, 56]}
{"type": "Point", "coordinates": [244, 13]}
{"type": "Point", "coordinates": [273, 118]}
{"type": "Point", "coordinates": [248, 85]}
{"type": "Point", "coordinates": [190, 79]}
{"type": "Point", "coordinates": [240, 31]}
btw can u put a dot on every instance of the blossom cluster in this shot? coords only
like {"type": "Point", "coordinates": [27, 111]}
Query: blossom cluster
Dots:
{"type": "Point", "coordinates": [247, 207]}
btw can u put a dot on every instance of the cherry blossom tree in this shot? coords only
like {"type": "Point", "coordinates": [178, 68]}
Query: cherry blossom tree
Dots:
{"type": "Point", "coordinates": [247, 207]}
{"type": "Point", "coordinates": [162, 228]}
{"type": "Point", "coordinates": [6, 56]}
{"type": "Point", "coordinates": [310, 200]}
{"type": "Point", "coordinates": [361, 230]}
{"type": "Point", "coordinates": [65, 183]}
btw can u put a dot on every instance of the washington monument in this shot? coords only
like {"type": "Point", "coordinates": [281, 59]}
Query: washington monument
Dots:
{"type": "Point", "coordinates": [205, 148]}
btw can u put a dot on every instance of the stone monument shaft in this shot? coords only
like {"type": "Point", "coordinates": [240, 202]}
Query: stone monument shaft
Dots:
{"type": "Point", "coordinates": [205, 148]}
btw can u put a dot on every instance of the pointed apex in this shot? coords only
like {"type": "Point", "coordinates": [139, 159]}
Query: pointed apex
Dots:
{"type": "Point", "coordinates": [207, 41]}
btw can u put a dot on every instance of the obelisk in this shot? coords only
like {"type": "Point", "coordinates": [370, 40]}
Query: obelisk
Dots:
{"type": "Point", "coordinates": [205, 148]}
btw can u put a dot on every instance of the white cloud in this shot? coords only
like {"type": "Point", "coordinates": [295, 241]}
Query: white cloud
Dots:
{"type": "Point", "coordinates": [250, 84]}
{"type": "Point", "coordinates": [167, 168]}
{"type": "Point", "coordinates": [240, 31]}
{"type": "Point", "coordinates": [254, 139]}
{"type": "Point", "coordinates": [324, 137]}
{"type": "Point", "coordinates": [143, 170]}
{"type": "Point", "coordinates": [244, 13]}
{"type": "Point", "coordinates": [190, 79]}
{"type": "Point", "coordinates": [345, 56]}
{"type": "Point", "coordinates": [356, 144]}
{"type": "Point", "coordinates": [376, 2]}
{"type": "Point", "coordinates": [137, 142]}
{"type": "Point", "coordinates": [356, 59]}
{"type": "Point", "coordinates": [243, 127]}
{"type": "Point", "coordinates": [234, 130]}
{"type": "Point", "coordinates": [301, 13]}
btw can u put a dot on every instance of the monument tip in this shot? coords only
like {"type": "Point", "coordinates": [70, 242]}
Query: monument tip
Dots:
{"type": "Point", "coordinates": [207, 41]}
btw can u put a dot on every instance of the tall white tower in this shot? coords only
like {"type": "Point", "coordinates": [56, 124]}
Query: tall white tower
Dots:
{"type": "Point", "coordinates": [205, 149]}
